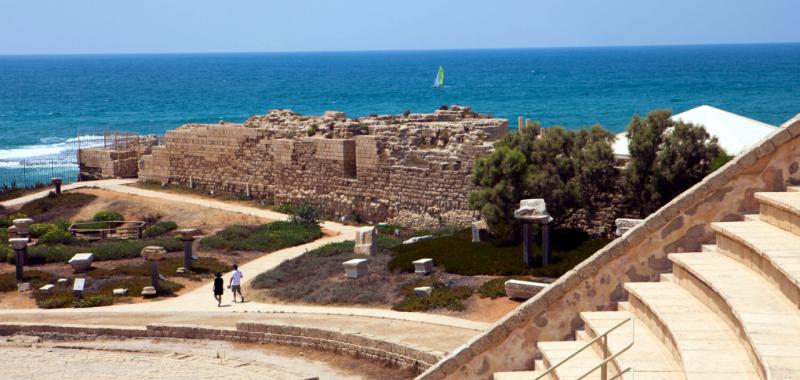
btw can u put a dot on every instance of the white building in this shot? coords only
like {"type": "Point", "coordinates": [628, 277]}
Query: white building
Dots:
{"type": "Point", "coordinates": [735, 133]}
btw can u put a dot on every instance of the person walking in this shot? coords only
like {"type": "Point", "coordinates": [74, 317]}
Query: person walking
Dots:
{"type": "Point", "coordinates": [219, 284]}
{"type": "Point", "coordinates": [236, 283]}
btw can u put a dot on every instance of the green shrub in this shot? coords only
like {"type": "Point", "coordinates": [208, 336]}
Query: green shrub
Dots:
{"type": "Point", "coordinates": [55, 236]}
{"type": "Point", "coordinates": [458, 255]}
{"type": "Point", "coordinates": [159, 228]}
{"type": "Point", "coordinates": [202, 266]}
{"type": "Point", "coordinates": [450, 298]}
{"type": "Point", "coordinates": [54, 299]}
{"type": "Point", "coordinates": [8, 281]}
{"type": "Point", "coordinates": [7, 220]}
{"type": "Point", "coordinates": [305, 213]}
{"type": "Point", "coordinates": [266, 237]}
{"type": "Point", "coordinates": [39, 229]}
{"type": "Point", "coordinates": [93, 300]}
{"type": "Point", "coordinates": [107, 216]}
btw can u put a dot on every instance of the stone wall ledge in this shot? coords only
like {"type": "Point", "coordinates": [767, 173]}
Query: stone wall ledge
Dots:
{"type": "Point", "coordinates": [357, 345]}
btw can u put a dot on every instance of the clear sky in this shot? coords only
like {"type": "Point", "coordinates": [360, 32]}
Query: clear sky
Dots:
{"type": "Point", "coordinates": [159, 26]}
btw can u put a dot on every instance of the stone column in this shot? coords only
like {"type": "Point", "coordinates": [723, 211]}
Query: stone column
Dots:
{"type": "Point", "coordinates": [154, 254]}
{"type": "Point", "coordinates": [187, 237]}
{"type": "Point", "coordinates": [20, 246]}
{"type": "Point", "coordinates": [534, 211]}
{"type": "Point", "coordinates": [56, 182]}
{"type": "Point", "coordinates": [527, 248]}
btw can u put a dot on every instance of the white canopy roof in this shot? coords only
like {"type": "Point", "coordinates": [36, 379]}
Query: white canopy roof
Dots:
{"type": "Point", "coordinates": [735, 133]}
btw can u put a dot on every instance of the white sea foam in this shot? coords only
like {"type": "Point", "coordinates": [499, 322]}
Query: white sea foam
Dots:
{"type": "Point", "coordinates": [49, 147]}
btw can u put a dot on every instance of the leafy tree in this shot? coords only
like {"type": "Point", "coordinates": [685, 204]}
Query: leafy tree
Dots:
{"type": "Point", "coordinates": [570, 170]}
{"type": "Point", "coordinates": [667, 157]}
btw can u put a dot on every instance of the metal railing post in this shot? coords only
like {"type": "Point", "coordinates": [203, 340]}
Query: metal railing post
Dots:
{"type": "Point", "coordinates": [604, 368]}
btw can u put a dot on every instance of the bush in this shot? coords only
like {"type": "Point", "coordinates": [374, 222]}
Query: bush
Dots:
{"type": "Point", "coordinates": [7, 220]}
{"type": "Point", "coordinates": [107, 216]}
{"type": "Point", "coordinates": [92, 300]}
{"type": "Point", "coordinates": [136, 284]}
{"type": "Point", "coordinates": [305, 213]}
{"type": "Point", "coordinates": [266, 237]}
{"type": "Point", "coordinates": [159, 228]}
{"type": "Point", "coordinates": [204, 265]}
{"type": "Point", "coordinates": [39, 229]}
{"type": "Point", "coordinates": [55, 236]}
{"type": "Point", "coordinates": [54, 299]}
{"type": "Point", "coordinates": [8, 281]}
{"type": "Point", "coordinates": [450, 298]}
{"type": "Point", "coordinates": [458, 255]}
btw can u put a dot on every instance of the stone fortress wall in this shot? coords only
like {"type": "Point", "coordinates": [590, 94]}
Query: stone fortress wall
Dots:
{"type": "Point", "coordinates": [410, 169]}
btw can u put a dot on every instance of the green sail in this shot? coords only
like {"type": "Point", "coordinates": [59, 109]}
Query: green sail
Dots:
{"type": "Point", "coordinates": [439, 82]}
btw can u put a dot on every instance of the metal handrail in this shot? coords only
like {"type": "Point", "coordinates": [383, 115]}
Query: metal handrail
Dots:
{"type": "Point", "coordinates": [603, 364]}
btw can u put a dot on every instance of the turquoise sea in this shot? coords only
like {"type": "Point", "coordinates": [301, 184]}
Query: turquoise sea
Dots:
{"type": "Point", "coordinates": [46, 100]}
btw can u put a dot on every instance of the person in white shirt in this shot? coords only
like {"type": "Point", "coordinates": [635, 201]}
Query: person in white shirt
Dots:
{"type": "Point", "coordinates": [236, 283]}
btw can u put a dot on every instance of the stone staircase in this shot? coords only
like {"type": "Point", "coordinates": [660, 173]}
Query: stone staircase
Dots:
{"type": "Point", "coordinates": [730, 311]}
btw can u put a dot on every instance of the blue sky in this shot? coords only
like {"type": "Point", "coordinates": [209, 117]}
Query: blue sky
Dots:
{"type": "Point", "coordinates": [159, 26]}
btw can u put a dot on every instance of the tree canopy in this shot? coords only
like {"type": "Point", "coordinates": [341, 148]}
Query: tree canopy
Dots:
{"type": "Point", "coordinates": [667, 157]}
{"type": "Point", "coordinates": [570, 170]}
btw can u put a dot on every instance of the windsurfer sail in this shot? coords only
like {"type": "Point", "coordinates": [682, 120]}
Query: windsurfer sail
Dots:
{"type": "Point", "coordinates": [439, 82]}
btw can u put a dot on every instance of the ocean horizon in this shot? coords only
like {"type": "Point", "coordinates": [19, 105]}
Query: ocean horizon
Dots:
{"type": "Point", "coordinates": [46, 100]}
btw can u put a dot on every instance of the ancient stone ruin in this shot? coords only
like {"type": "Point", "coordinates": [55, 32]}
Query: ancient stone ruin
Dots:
{"type": "Point", "coordinates": [410, 169]}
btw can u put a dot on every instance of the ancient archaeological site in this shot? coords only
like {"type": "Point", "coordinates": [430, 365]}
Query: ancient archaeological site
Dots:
{"type": "Point", "coordinates": [357, 252]}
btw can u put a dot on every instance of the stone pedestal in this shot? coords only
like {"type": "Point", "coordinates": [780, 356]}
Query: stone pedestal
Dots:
{"type": "Point", "coordinates": [77, 287]}
{"type": "Point", "coordinates": [423, 266]}
{"type": "Point", "coordinates": [47, 288]}
{"type": "Point", "coordinates": [154, 254]}
{"type": "Point", "coordinates": [423, 291]}
{"type": "Point", "coordinates": [523, 290]}
{"type": "Point", "coordinates": [188, 237]}
{"type": "Point", "coordinates": [56, 182]}
{"type": "Point", "coordinates": [120, 292]}
{"type": "Point", "coordinates": [20, 246]}
{"type": "Point", "coordinates": [81, 262]}
{"type": "Point", "coordinates": [23, 227]}
{"type": "Point", "coordinates": [149, 292]}
{"type": "Point", "coordinates": [356, 268]}
{"type": "Point", "coordinates": [365, 241]}
{"type": "Point", "coordinates": [534, 211]}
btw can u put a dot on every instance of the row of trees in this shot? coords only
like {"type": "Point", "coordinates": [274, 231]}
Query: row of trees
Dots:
{"type": "Point", "coordinates": [577, 171]}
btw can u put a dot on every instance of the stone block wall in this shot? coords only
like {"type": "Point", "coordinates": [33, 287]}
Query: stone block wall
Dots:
{"type": "Point", "coordinates": [358, 345]}
{"type": "Point", "coordinates": [682, 225]}
{"type": "Point", "coordinates": [408, 169]}
{"type": "Point", "coordinates": [103, 163]}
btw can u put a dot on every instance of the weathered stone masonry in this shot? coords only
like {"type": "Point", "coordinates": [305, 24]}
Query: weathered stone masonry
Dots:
{"type": "Point", "coordinates": [410, 169]}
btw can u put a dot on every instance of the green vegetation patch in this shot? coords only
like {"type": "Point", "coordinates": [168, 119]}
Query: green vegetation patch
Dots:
{"type": "Point", "coordinates": [265, 237]}
{"type": "Point", "coordinates": [442, 297]}
{"type": "Point", "coordinates": [111, 249]}
{"type": "Point", "coordinates": [159, 228]}
{"type": "Point", "coordinates": [8, 281]}
{"type": "Point", "coordinates": [459, 255]}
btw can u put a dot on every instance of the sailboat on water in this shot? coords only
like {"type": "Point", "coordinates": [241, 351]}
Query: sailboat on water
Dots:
{"type": "Point", "coordinates": [439, 81]}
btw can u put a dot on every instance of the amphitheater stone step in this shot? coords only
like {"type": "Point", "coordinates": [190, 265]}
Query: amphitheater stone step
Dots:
{"type": "Point", "coordinates": [781, 209]}
{"type": "Point", "coordinates": [768, 250]}
{"type": "Point", "coordinates": [648, 358]}
{"type": "Point", "coordinates": [516, 375]}
{"type": "Point", "coordinates": [768, 322]}
{"type": "Point", "coordinates": [554, 352]}
{"type": "Point", "coordinates": [706, 346]}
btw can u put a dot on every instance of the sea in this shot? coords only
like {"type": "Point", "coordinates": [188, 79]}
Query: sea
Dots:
{"type": "Point", "coordinates": [46, 102]}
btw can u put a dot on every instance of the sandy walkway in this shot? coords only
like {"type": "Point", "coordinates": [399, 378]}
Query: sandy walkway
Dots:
{"type": "Point", "coordinates": [176, 359]}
